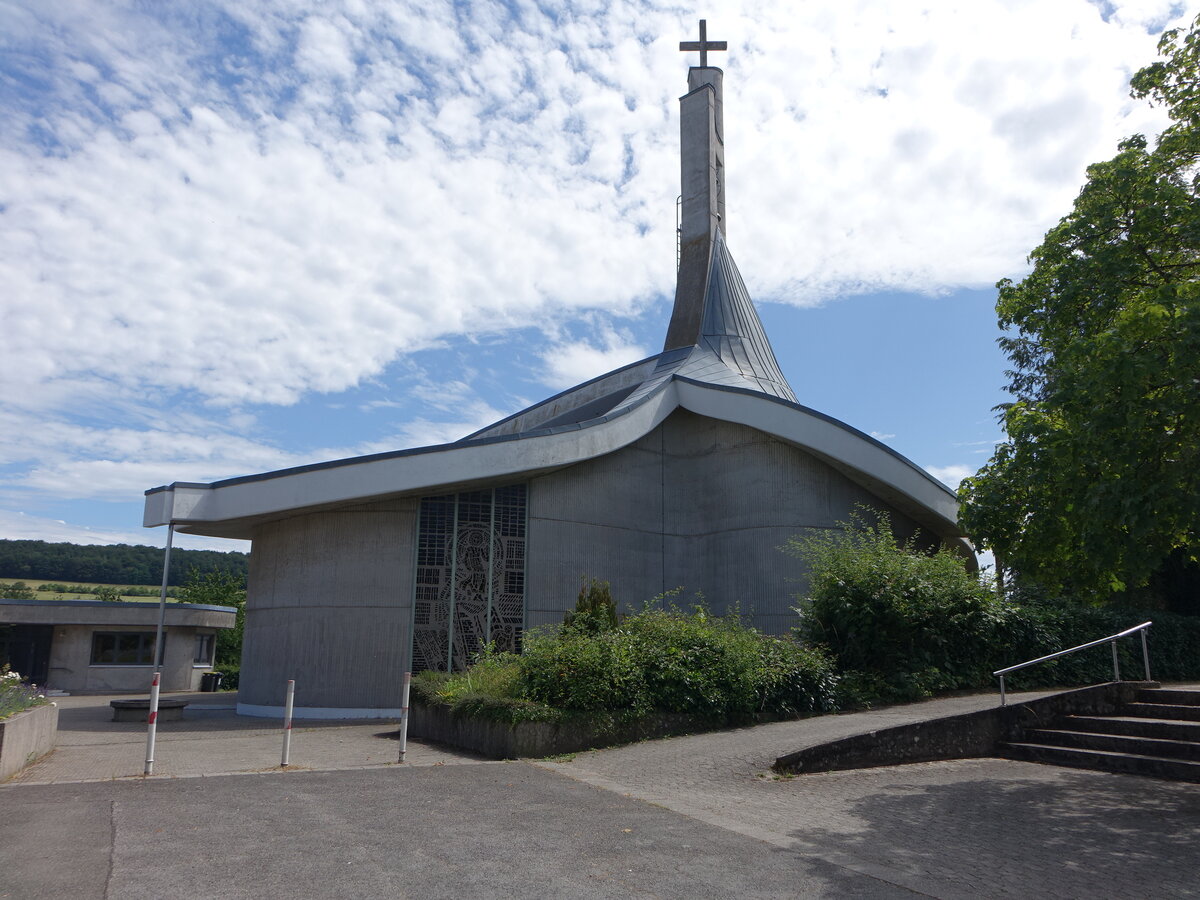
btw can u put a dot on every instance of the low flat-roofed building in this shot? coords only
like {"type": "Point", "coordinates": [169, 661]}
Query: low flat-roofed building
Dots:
{"type": "Point", "coordinates": [93, 646]}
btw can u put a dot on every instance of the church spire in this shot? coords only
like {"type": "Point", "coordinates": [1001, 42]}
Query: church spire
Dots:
{"type": "Point", "coordinates": [713, 312]}
{"type": "Point", "coordinates": [702, 146]}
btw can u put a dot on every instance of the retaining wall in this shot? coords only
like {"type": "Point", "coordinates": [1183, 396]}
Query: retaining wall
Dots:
{"type": "Point", "coordinates": [504, 740]}
{"type": "Point", "coordinates": [962, 736]}
{"type": "Point", "coordinates": [27, 737]}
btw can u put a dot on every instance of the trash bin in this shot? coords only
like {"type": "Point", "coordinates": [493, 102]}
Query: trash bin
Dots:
{"type": "Point", "coordinates": [210, 682]}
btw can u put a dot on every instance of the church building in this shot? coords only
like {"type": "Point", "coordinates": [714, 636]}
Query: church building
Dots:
{"type": "Point", "coordinates": [687, 469]}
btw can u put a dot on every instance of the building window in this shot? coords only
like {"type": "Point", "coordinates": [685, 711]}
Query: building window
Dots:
{"type": "Point", "coordinates": [470, 578]}
{"type": "Point", "coordinates": [205, 644]}
{"type": "Point", "coordinates": [123, 648]}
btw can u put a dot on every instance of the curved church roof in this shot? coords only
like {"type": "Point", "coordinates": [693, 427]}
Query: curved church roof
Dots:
{"type": "Point", "coordinates": [717, 362]}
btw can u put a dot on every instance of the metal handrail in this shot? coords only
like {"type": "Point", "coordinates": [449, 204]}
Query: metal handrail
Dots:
{"type": "Point", "coordinates": [1112, 638]}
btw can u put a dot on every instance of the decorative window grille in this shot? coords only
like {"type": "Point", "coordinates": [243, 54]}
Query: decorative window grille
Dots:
{"type": "Point", "coordinates": [470, 576]}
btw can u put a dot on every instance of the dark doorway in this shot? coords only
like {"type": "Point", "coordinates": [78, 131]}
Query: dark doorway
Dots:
{"type": "Point", "coordinates": [26, 649]}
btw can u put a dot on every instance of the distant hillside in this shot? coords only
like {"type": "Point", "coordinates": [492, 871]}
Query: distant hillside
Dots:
{"type": "Point", "coordinates": [113, 564]}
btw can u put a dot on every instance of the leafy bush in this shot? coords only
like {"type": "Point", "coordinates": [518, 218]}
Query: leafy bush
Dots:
{"type": "Point", "coordinates": [107, 594]}
{"type": "Point", "coordinates": [493, 675]}
{"type": "Point", "coordinates": [15, 695]}
{"type": "Point", "coordinates": [714, 668]}
{"type": "Point", "coordinates": [918, 621]}
{"type": "Point", "coordinates": [18, 590]}
{"type": "Point", "coordinates": [595, 609]}
{"type": "Point", "coordinates": [707, 666]}
{"type": "Point", "coordinates": [579, 669]}
{"type": "Point", "coordinates": [904, 624]}
{"type": "Point", "coordinates": [230, 676]}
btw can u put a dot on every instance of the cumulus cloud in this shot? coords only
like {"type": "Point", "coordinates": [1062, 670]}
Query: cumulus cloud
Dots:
{"type": "Point", "coordinates": [223, 208]}
{"type": "Point", "coordinates": [951, 475]}
{"type": "Point", "coordinates": [572, 362]}
{"type": "Point", "coordinates": [20, 526]}
{"type": "Point", "coordinates": [272, 205]}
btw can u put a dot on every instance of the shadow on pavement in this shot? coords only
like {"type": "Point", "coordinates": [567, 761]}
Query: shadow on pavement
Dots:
{"type": "Point", "coordinates": [1106, 836]}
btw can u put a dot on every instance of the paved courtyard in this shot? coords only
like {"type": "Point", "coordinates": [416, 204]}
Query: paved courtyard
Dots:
{"type": "Point", "coordinates": [697, 816]}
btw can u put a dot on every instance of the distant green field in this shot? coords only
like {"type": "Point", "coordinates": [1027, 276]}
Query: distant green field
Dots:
{"type": "Point", "coordinates": [36, 584]}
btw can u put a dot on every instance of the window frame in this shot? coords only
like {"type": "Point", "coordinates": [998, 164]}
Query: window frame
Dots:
{"type": "Point", "coordinates": [145, 650]}
{"type": "Point", "coordinates": [208, 640]}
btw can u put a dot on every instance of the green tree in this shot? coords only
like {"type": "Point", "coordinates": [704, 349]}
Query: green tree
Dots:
{"type": "Point", "coordinates": [18, 590]}
{"type": "Point", "coordinates": [1097, 486]}
{"type": "Point", "coordinates": [218, 588]}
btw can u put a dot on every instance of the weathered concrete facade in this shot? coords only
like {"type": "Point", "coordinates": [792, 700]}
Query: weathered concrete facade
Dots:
{"type": "Point", "coordinates": [71, 627]}
{"type": "Point", "coordinates": [697, 503]}
{"type": "Point", "coordinates": [329, 605]}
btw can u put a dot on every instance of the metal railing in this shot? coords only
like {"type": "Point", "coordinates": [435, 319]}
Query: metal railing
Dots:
{"type": "Point", "coordinates": [1112, 638]}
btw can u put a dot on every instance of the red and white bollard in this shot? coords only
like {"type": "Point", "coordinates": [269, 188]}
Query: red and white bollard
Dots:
{"type": "Point", "coordinates": [287, 724]}
{"type": "Point", "coordinates": [404, 715]}
{"type": "Point", "coordinates": [152, 726]}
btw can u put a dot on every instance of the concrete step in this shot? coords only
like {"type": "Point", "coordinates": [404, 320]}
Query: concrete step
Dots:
{"type": "Point", "coordinates": [1114, 743]}
{"type": "Point", "coordinates": [1162, 711]}
{"type": "Point", "coordinates": [1126, 763]}
{"type": "Point", "coordinates": [1167, 729]}
{"type": "Point", "coordinates": [1169, 695]}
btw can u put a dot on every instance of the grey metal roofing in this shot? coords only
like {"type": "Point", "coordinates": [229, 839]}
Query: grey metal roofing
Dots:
{"type": "Point", "coordinates": [732, 351]}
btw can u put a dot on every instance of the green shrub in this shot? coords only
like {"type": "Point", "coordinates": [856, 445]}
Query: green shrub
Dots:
{"type": "Point", "coordinates": [18, 590]}
{"type": "Point", "coordinates": [904, 625]}
{"type": "Point", "coordinates": [1039, 628]}
{"type": "Point", "coordinates": [712, 667]}
{"type": "Point", "coordinates": [230, 676]}
{"type": "Point", "coordinates": [573, 669]}
{"type": "Point", "coordinates": [793, 680]}
{"type": "Point", "coordinates": [595, 609]}
{"type": "Point", "coordinates": [920, 621]}
{"type": "Point", "coordinates": [493, 675]}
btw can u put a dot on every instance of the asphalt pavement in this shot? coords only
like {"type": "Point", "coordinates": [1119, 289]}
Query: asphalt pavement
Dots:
{"type": "Point", "coordinates": [698, 816]}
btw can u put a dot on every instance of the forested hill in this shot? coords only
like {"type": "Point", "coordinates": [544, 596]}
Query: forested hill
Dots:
{"type": "Point", "coordinates": [112, 564]}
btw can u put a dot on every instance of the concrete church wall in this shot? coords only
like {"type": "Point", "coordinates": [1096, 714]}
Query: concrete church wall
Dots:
{"type": "Point", "coordinates": [698, 503]}
{"type": "Point", "coordinates": [329, 605]}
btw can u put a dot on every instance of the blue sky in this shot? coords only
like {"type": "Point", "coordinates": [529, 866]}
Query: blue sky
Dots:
{"type": "Point", "coordinates": [238, 236]}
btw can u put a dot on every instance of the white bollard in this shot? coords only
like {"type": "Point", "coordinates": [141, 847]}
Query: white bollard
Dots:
{"type": "Point", "coordinates": [404, 715]}
{"type": "Point", "coordinates": [287, 724]}
{"type": "Point", "coordinates": [152, 726]}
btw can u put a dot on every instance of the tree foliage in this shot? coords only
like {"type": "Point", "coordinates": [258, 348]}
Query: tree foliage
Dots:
{"type": "Point", "coordinates": [18, 590]}
{"type": "Point", "coordinates": [909, 622]}
{"type": "Point", "coordinates": [112, 564]}
{"type": "Point", "coordinates": [215, 588]}
{"type": "Point", "coordinates": [1097, 484]}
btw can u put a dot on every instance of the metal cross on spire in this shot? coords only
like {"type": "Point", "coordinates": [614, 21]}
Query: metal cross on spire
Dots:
{"type": "Point", "coordinates": [703, 45]}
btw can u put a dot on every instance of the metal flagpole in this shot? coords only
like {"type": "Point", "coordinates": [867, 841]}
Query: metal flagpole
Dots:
{"type": "Point", "coordinates": [152, 718]}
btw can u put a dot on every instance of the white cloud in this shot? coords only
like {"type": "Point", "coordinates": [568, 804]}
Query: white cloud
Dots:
{"type": "Point", "coordinates": [17, 526]}
{"type": "Point", "coordinates": [951, 475]}
{"type": "Point", "coordinates": [880, 436]}
{"type": "Point", "coordinates": [570, 363]}
{"type": "Point", "coordinates": [209, 211]}
{"type": "Point", "coordinates": [256, 221]}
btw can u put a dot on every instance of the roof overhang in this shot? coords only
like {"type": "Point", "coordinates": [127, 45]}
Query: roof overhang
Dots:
{"type": "Point", "coordinates": [234, 508]}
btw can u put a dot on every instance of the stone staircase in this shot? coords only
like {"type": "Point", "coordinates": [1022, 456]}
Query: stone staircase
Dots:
{"type": "Point", "coordinates": [1158, 734]}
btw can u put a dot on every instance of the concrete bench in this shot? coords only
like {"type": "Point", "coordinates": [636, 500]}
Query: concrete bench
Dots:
{"type": "Point", "coordinates": [139, 710]}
